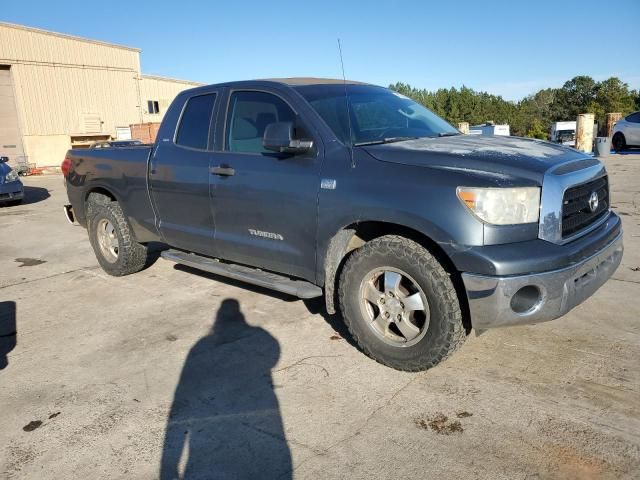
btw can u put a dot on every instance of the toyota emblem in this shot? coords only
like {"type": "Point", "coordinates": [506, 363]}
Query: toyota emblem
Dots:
{"type": "Point", "coordinates": [593, 201]}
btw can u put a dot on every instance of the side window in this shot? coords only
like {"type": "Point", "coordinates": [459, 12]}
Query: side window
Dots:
{"type": "Point", "coordinates": [193, 130]}
{"type": "Point", "coordinates": [634, 118]}
{"type": "Point", "coordinates": [248, 117]}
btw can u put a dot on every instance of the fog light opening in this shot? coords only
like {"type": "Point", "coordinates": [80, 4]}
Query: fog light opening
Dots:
{"type": "Point", "coordinates": [526, 300]}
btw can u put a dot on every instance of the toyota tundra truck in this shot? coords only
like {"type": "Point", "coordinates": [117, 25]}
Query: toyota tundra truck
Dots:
{"type": "Point", "coordinates": [414, 232]}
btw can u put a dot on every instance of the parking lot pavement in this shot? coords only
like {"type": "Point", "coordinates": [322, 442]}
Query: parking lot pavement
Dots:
{"type": "Point", "coordinates": [168, 370]}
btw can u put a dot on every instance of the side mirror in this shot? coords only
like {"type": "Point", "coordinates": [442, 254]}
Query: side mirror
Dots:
{"type": "Point", "coordinates": [278, 137]}
{"type": "Point", "coordinates": [4, 159]}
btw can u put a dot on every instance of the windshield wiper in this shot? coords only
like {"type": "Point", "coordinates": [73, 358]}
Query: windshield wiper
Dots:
{"type": "Point", "coordinates": [384, 140]}
{"type": "Point", "coordinates": [448, 134]}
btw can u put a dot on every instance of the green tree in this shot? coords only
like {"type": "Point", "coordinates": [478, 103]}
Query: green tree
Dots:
{"type": "Point", "coordinates": [576, 96]}
{"type": "Point", "coordinates": [533, 115]}
{"type": "Point", "coordinates": [613, 95]}
{"type": "Point", "coordinates": [537, 130]}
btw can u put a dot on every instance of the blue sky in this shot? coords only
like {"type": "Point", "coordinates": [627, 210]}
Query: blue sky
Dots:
{"type": "Point", "coordinates": [508, 48]}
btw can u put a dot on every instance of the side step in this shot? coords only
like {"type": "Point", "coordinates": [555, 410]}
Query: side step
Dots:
{"type": "Point", "coordinates": [273, 281]}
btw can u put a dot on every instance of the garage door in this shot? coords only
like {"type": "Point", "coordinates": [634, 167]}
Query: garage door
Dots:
{"type": "Point", "coordinates": [10, 137]}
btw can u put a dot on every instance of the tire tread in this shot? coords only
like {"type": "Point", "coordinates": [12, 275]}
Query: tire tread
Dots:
{"type": "Point", "coordinates": [132, 256]}
{"type": "Point", "coordinates": [451, 337]}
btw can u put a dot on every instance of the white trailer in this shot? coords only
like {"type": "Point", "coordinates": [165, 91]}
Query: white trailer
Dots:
{"type": "Point", "coordinates": [564, 133]}
{"type": "Point", "coordinates": [490, 129]}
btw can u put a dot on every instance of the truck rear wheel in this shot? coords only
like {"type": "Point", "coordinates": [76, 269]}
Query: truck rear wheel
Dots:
{"type": "Point", "coordinates": [112, 241]}
{"type": "Point", "coordinates": [400, 304]}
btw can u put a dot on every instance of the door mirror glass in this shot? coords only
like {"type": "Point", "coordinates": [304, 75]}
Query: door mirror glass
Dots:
{"type": "Point", "coordinates": [279, 137]}
{"type": "Point", "coordinates": [4, 159]}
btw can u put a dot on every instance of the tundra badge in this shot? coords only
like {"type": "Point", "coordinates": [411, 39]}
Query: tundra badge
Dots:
{"type": "Point", "coordinates": [260, 233]}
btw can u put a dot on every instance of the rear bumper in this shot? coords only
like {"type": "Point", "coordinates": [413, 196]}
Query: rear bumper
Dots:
{"type": "Point", "coordinates": [501, 301]}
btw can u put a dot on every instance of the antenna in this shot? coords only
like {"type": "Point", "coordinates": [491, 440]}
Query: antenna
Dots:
{"type": "Point", "coordinates": [346, 101]}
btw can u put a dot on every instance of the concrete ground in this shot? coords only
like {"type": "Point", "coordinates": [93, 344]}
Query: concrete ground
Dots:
{"type": "Point", "coordinates": [168, 370]}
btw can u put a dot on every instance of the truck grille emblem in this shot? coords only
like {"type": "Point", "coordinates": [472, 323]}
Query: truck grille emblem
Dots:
{"type": "Point", "coordinates": [593, 201]}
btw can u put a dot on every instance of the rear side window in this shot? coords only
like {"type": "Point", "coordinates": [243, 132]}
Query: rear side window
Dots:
{"type": "Point", "coordinates": [633, 118]}
{"type": "Point", "coordinates": [248, 117]}
{"type": "Point", "coordinates": [193, 131]}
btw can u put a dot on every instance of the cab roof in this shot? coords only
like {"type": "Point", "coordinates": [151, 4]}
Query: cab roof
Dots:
{"type": "Point", "coordinates": [295, 81]}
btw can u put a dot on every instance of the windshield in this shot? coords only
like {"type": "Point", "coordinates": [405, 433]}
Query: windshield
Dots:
{"type": "Point", "coordinates": [378, 115]}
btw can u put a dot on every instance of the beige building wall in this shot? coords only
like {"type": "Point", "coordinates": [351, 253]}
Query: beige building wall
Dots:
{"type": "Point", "coordinates": [72, 90]}
{"type": "Point", "coordinates": [162, 90]}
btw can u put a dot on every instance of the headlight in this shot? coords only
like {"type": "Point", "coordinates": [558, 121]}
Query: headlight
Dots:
{"type": "Point", "coordinates": [12, 176]}
{"type": "Point", "coordinates": [502, 206]}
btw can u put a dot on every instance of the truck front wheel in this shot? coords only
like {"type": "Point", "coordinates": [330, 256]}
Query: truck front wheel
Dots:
{"type": "Point", "coordinates": [112, 241]}
{"type": "Point", "coordinates": [400, 304]}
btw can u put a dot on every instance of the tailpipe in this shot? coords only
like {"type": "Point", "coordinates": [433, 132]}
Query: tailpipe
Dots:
{"type": "Point", "coordinates": [68, 213]}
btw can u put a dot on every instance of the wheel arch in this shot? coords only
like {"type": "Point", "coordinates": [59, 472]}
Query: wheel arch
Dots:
{"type": "Point", "coordinates": [97, 194]}
{"type": "Point", "coordinates": [353, 236]}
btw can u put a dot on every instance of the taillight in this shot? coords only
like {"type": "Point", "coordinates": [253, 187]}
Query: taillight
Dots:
{"type": "Point", "coordinates": [66, 166]}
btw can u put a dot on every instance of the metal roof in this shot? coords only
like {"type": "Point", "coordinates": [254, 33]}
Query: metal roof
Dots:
{"type": "Point", "coordinates": [171, 79]}
{"type": "Point", "coordinates": [64, 35]}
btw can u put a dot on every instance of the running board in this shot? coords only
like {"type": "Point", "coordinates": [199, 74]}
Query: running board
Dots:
{"type": "Point", "coordinates": [273, 281]}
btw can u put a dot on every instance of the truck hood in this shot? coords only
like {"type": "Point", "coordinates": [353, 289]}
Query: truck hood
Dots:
{"type": "Point", "coordinates": [508, 158]}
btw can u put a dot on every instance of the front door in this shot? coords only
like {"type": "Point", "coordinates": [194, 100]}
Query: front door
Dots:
{"type": "Point", "coordinates": [180, 179]}
{"type": "Point", "coordinates": [265, 203]}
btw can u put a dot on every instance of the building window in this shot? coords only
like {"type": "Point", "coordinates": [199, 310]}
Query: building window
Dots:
{"type": "Point", "coordinates": [153, 107]}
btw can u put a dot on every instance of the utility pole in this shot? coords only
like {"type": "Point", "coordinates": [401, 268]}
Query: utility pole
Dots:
{"type": "Point", "coordinates": [584, 132]}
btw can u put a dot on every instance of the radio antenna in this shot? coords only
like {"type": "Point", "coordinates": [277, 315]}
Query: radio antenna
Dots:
{"type": "Point", "coordinates": [346, 101]}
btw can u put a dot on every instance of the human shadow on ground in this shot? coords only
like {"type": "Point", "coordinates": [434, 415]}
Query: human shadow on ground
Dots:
{"type": "Point", "coordinates": [315, 306]}
{"type": "Point", "coordinates": [225, 419]}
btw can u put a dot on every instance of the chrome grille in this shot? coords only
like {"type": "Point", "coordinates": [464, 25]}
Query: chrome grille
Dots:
{"type": "Point", "coordinates": [576, 211]}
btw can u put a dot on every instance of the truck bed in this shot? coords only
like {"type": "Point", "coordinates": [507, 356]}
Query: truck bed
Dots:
{"type": "Point", "coordinates": [121, 171]}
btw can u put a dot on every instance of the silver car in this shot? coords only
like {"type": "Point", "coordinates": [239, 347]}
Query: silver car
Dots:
{"type": "Point", "coordinates": [626, 132]}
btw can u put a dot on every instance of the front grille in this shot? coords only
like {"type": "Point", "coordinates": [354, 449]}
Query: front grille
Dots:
{"type": "Point", "coordinates": [576, 213]}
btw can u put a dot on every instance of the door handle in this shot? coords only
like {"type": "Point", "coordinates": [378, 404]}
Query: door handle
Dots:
{"type": "Point", "coordinates": [223, 171]}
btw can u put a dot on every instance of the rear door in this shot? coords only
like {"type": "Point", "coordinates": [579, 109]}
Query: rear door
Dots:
{"type": "Point", "coordinates": [180, 180]}
{"type": "Point", "coordinates": [265, 203]}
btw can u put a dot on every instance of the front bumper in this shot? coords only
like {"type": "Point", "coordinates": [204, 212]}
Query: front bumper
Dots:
{"type": "Point", "coordinates": [11, 191]}
{"type": "Point", "coordinates": [539, 297]}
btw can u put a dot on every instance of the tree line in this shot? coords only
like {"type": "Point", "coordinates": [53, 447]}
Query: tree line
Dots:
{"type": "Point", "coordinates": [533, 115]}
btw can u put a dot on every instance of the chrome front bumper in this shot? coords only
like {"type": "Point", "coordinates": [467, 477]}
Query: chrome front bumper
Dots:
{"type": "Point", "coordinates": [538, 297]}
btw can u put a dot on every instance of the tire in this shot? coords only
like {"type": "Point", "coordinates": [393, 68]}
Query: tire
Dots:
{"type": "Point", "coordinates": [619, 142]}
{"type": "Point", "coordinates": [112, 240]}
{"type": "Point", "coordinates": [442, 331]}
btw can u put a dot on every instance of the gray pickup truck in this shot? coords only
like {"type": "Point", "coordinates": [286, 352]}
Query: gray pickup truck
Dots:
{"type": "Point", "coordinates": [413, 231]}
